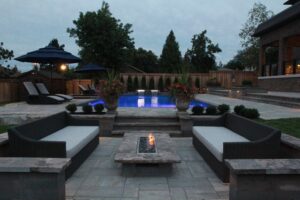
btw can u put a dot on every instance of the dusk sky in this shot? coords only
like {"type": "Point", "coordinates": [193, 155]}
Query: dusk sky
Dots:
{"type": "Point", "coordinates": [28, 25]}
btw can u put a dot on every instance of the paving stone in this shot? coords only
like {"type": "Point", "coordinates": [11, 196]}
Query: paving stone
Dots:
{"type": "Point", "coordinates": [218, 185]}
{"type": "Point", "coordinates": [137, 181]}
{"type": "Point", "coordinates": [156, 187]}
{"type": "Point", "coordinates": [177, 194]}
{"type": "Point", "coordinates": [100, 192]}
{"type": "Point", "coordinates": [131, 191]}
{"type": "Point", "coordinates": [202, 183]}
{"type": "Point", "coordinates": [199, 169]}
{"type": "Point", "coordinates": [154, 195]}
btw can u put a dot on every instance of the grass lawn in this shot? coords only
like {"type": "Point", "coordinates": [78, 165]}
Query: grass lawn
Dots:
{"type": "Point", "coordinates": [289, 126]}
{"type": "Point", "coordinates": [3, 128]}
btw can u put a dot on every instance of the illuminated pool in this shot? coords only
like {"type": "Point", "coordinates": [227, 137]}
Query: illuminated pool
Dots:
{"type": "Point", "coordinates": [147, 101]}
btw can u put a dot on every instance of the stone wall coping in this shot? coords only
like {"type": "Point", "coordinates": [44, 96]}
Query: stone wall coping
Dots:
{"type": "Point", "coordinates": [263, 166]}
{"type": "Point", "coordinates": [290, 141]}
{"type": "Point", "coordinates": [279, 76]}
{"type": "Point", "coordinates": [3, 138]}
{"type": "Point", "coordinates": [92, 116]}
{"type": "Point", "coordinates": [37, 165]}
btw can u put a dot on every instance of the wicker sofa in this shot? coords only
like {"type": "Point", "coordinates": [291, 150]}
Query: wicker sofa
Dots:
{"type": "Point", "coordinates": [233, 137]}
{"type": "Point", "coordinates": [56, 136]}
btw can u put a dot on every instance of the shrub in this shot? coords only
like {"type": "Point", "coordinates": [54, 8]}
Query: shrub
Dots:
{"type": "Point", "coordinates": [247, 83]}
{"type": "Point", "coordinates": [250, 113]}
{"type": "Point", "coordinates": [87, 109]}
{"type": "Point", "coordinates": [144, 85]}
{"type": "Point", "coordinates": [130, 87]}
{"type": "Point", "coordinates": [136, 83]}
{"type": "Point", "coordinates": [151, 84]}
{"type": "Point", "coordinates": [197, 82]}
{"type": "Point", "coordinates": [197, 110]}
{"type": "Point", "coordinates": [122, 79]}
{"type": "Point", "coordinates": [223, 108]}
{"type": "Point", "coordinates": [211, 110]}
{"type": "Point", "coordinates": [99, 108]}
{"type": "Point", "coordinates": [168, 82]}
{"type": "Point", "coordinates": [161, 84]}
{"type": "Point", "coordinates": [71, 108]}
{"type": "Point", "coordinates": [238, 109]}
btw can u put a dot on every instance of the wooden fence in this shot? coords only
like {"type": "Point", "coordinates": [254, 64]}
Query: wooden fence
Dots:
{"type": "Point", "coordinates": [226, 79]}
{"type": "Point", "coordinates": [73, 85]}
{"type": "Point", "coordinates": [9, 90]}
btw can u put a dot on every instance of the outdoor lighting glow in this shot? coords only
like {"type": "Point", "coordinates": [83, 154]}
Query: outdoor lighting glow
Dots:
{"type": "Point", "coordinates": [151, 139]}
{"type": "Point", "coordinates": [63, 67]}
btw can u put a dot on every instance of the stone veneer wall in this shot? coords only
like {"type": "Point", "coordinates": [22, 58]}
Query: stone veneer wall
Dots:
{"type": "Point", "coordinates": [280, 83]}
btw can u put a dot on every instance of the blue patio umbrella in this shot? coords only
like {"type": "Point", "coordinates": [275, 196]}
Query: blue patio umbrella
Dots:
{"type": "Point", "coordinates": [49, 55]}
{"type": "Point", "coordinates": [90, 68]}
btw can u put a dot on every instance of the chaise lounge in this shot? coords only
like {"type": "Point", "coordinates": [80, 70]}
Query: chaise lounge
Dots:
{"type": "Point", "coordinates": [233, 137]}
{"type": "Point", "coordinates": [35, 98]}
{"type": "Point", "coordinates": [56, 136]}
{"type": "Point", "coordinates": [44, 91]}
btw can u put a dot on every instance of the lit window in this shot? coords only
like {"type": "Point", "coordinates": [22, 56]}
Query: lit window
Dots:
{"type": "Point", "coordinates": [288, 68]}
{"type": "Point", "coordinates": [298, 67]}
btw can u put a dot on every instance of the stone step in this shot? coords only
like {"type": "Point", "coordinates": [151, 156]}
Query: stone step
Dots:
{"type": "Point", "coordinates": [273, 101]}
{"type": "Point", "coordinates": [274, 97]}
{"type": "Point", "coordinates": [121, 132]}
{"type": "Point", "coordinates": [148, 119]}
{"type": "Point", "coordinates": [147, 126]}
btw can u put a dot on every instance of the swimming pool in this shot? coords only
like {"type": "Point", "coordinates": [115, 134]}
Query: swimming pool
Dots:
{"type": "Point", "coordinates": [147, 101]}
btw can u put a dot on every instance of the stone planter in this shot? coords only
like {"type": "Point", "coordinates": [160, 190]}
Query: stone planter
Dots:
{"type": "Point", "coordinates": [182, 104]}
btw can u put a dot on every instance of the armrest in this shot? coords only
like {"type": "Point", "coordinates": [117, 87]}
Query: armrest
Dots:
{"type": "Point", "coordinates": [265, 148]}
{"type": "Point", "coordinates": [21, 146]}
{"type": "Point", "coordinates": [206, 121]}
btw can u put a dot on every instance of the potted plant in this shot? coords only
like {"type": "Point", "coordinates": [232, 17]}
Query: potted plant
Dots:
{"type": "Point", "coordinates": [110, 91]}
{"type": "Point", "coordinates": [183, 91]}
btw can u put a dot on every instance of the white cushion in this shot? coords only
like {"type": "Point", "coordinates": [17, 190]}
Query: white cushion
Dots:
{"type": "Point", "coordinates": [214, 137]}
{"type": "Point", "coordinates": [76, 137]}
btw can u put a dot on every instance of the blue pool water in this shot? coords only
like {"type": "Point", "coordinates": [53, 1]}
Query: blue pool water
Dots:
{"type": "Point", "coordinates": [147, 101]}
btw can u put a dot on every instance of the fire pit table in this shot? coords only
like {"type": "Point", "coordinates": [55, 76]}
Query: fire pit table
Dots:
{"type": "Point", "coordinates": [146, 148]}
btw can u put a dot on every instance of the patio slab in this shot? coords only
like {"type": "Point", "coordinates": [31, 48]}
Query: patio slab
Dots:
{"type": "Point", "coordinates": [267, 111]}
{"type": "Point", "coordinates": [101, 178]}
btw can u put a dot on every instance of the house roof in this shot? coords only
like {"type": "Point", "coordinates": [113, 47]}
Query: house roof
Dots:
{"type": "Point", "coordinates": [44, 73]}
{"type": "Point", "coordinates": [288, 15]}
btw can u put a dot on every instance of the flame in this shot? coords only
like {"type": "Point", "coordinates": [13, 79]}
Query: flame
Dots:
{"type": "Point", "coordinates": [151, 139]}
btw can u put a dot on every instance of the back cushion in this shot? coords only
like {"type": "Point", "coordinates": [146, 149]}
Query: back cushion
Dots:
{"type": "Point", "coordinates": [247, 128]}
{"type": "Point", "coordinates": [43, 127]}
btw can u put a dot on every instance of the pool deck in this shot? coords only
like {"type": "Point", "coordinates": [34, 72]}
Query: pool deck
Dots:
{"type": "Point", "coordinates": [16, 113]}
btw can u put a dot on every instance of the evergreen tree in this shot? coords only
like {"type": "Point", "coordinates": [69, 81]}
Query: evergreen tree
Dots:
{"type": "Point", "coordinates": [130, 86]}
{"type": "Point", "coordinates": [145, 60]}
{"type": "Point", "coordinates": [161, 84]}
{"type": "Point", "coordinates": [170, 59]}
{"type": "Point", "coordinates": [144, 84]}
{"type": "Point", "coordinates": [197, 82]}
{"type": "Point", "coordinates": [5, 54]}
{"type": "Point", "coordinates": [151, 84]}
{"type": "Point", "coordinates": [136, 83]}
{"type": "Point", "coordinates": [202, 54]}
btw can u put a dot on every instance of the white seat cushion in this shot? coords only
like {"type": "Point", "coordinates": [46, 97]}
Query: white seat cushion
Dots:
{"type": "Point", "coordinates": [76, 137]}
{"type": "Point", "coordinates": [214, 137]}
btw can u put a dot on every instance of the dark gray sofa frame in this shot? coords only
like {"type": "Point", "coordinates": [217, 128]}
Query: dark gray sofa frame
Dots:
{"type": "Point", "coordinates": [264, 142]}
{"type": "Point", "coordinates": [24, 140]}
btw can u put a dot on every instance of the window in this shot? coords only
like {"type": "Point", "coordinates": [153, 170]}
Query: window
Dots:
{"type": "Point", "coordinates": [298, 67]}
{"type": "Point", "coordinates": [288, 68]}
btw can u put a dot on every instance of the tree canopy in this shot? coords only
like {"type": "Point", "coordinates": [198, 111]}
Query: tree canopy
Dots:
{"type": "Point", "coordinates": [201, 56]}
{"type": "Point", "coordinates": [145, 60]}
{"type": "Point", "coordinates": [249, 55]}
{"type": "Point", "coordinates": [102, 38]}
{"type": "Point", "coordinates": [5, 54]}
{"type": "Point", "coordinates": [170, 59]}
{"type": "Point", "coordinates": [54, 43]}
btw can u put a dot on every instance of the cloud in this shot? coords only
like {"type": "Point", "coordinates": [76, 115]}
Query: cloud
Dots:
{"type": "Point", "coordinates": [31, 24]}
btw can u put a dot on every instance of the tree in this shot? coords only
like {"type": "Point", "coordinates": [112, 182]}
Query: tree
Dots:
{"type": "Point", "coordinates": [170, 59]}
{"type": "Point", "coordinates": [5, 54]}
{"type": "Point", "coordinates": [102, 38]}
{"type": "Point", "coordinates": [250, 54]}
{"type": "Point", "coordinates": [54, 43]}
{"type": "Point", "coordinates": [145, 60]}
{"type": "Point", "coordinates": [202, 55]}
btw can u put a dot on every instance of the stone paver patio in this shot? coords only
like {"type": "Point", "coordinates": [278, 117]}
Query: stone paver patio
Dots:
{"type": "Point", "coordinates": [267, 111]}
{"type": "Point", "coordinates": [100, 177]}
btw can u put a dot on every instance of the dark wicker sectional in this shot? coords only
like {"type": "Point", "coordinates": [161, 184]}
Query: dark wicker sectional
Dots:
{"type": "Point", "coordinates": [264, 142]}
{"type": "Point", "coordinates": [24, 140]}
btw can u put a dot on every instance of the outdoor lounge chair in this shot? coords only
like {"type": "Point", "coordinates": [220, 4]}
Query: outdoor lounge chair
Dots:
{"type": "Point", "coordinates": [44, 91]}
{"type": "Point", "coordinates": [35, 98]}
{"type": "Point", "coordinates": [85, 91]}
{"type": "Point", "coordinates": [233, 137]}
